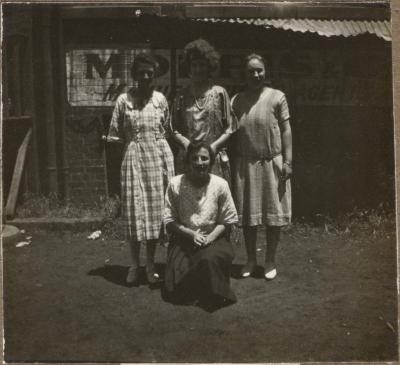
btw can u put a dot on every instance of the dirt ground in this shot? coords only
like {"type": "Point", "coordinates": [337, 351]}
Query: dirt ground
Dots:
{"type": "Point", "coordinates": [334, 300]}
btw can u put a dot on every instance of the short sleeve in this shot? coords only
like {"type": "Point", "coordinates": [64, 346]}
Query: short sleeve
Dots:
{"type": "Point", "coordinates": [283, 109]}
{"type": "Point", "coordinates": [165, 118]}
{"type": "Point", "coordinates": [171, 205]}
{"type": "Point", "coordinates": [115, 130]}
{"type": "Point", "coordinates": [227, 213]}
{"type": "Point", "coordinates": [229, 120]}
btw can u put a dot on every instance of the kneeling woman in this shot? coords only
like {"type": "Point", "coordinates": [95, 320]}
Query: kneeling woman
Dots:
{"type": "Point", "coordinates": [198, 212]}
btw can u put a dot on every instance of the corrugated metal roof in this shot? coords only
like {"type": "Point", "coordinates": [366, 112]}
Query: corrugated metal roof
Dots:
{"type": "Point", "coordinates": [327, 28]}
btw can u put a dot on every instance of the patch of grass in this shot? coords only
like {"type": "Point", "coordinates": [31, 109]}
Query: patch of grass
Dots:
{"type": "Point", "coordinates": [360, 222]}
{"type": "Point", "coordinates": [373, 222]}
{"type": "Point", "coordinates": [39, 206]}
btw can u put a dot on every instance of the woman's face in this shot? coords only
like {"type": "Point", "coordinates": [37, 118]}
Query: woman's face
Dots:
{"type": "Point", "coordinates": [255, 74]}
{"type": "Point", "coordinates": [144, 75]}
{"type": "Point", "coordinates": [199, 69]}
{"type": "Point", "coordinates": [199, 165]}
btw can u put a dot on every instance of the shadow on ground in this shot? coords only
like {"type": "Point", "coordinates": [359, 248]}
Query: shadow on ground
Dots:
{"type": "Point", "coordinates": [116, 274]}
{"type": "Point", "coordinates": [334, 299]}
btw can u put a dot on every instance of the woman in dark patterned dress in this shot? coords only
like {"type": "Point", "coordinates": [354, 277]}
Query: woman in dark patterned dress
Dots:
{"type": "Point", "coordinates": [202, 110]}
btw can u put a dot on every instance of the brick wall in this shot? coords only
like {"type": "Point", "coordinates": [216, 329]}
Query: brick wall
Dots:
{"type": "Point", "coordinates": [85, 155]}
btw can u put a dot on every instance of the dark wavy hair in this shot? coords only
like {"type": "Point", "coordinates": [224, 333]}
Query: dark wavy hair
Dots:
{"type": "Point", "coordinates": [196, 146]}
{"type": "Point", "coordinates": [144, 58]}
{"type": "Point", "coordinates": [201, 49]}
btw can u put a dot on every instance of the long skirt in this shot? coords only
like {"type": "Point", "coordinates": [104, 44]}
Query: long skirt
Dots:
{"type": "Point", "coordinates": [199, 273]}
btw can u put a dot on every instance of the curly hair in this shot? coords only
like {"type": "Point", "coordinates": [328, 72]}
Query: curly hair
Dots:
{"type": "Point", "coordinates": [146, 58]}
{"type": "Point", "coordinates": [201, 49]}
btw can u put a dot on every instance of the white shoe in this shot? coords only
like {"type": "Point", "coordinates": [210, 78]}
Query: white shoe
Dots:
{"type": "Point", "coordinates": [270, 275]}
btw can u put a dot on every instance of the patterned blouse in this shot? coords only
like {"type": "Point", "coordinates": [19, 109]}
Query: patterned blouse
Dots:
{"type": "Point", "coordinates": [199, 208]}
{"type": "Point", "coordinates": [204, 120]}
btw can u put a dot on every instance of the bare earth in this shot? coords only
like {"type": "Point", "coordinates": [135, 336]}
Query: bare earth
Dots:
{"type": "Point", "coordinates": [334, 300]}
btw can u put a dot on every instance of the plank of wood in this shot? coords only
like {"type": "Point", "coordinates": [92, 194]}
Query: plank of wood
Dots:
{"type": "Point", "coordinates": [16, 179]}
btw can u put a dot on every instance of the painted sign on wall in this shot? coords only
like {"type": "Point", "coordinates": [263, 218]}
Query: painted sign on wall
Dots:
{"type": "Point", "coordinates": [95, 77]}
{"type": "Point", "coordinates": [310, 77]}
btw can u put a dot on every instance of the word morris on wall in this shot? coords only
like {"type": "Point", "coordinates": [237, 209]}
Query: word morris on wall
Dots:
{"type": "Point", "coordinates": [95, 77]}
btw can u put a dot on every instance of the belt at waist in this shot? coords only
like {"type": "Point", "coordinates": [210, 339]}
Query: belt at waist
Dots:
{"type": "Point", "coordinates": [258, 156]}
{"type": "Point", "coordinates": [145, 137]}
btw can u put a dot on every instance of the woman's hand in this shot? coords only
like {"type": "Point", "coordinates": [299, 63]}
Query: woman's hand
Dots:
{"type": "Point", "coordinates": [185, 143]}
{"type": "Point", "coordinates": [286, 171]}
{"type": "Point", "coordinates": [208, 240]}
{"type": "Point", "coordinates": [199, 239]}
{"type": "Point", "coordinates": [213, 148]}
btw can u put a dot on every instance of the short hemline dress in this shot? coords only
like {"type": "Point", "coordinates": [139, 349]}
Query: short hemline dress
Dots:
{"type": "Point", "coordinates": [147, 164]}
{"type": "Point", "coordinates": [261, 196]}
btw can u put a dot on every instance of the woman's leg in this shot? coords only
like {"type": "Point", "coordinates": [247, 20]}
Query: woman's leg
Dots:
{"type": "Point", "coordinates": [250, 240]}
{"type": "Point", "coordinates": [152, 276]}
{"type": "Point", "coordinates": [272, 238]}
{"type": "Point", "coordinates": [133, 273]}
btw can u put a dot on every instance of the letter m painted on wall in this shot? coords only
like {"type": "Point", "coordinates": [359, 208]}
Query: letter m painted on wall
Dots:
{"type": "Point", "coordinates": [114, 62]}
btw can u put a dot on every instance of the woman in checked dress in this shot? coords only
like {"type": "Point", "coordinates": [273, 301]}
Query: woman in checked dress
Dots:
{"type": "Point", "coordinates": [138, 121]}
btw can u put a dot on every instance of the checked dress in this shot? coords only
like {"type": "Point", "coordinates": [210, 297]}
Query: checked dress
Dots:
{"type": "Point", "coordinates": [147, 164]}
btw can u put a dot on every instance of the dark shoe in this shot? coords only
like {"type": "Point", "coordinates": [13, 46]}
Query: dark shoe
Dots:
{"type": "Point", "coordinates": [248, 270]}
{"type": "Point", "coordinates": [133, 276]}
{"type": "Point", "coordinates": [152, 276]}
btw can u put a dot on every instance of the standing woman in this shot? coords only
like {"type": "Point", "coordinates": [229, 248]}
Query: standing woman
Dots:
{"type": "Point", "coordinates": [138, 121]}
{"type": "Point", "coordinates": [262, 165]}
{"type": "Point", "coordinates": [202, 110]}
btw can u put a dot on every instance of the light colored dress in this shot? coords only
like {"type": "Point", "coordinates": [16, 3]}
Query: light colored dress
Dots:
{"type": "Point", "coordinates": [147, 163]}
{"type": "Point", "coordinates": [260, 195]}
{"type": "Point", "coordinates": [204, 120]}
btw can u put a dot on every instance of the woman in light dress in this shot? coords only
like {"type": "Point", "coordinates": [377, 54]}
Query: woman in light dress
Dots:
{"type": "Point", "coordinates": [262, 164]}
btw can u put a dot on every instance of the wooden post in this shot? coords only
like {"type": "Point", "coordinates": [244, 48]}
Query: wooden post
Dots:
{"type": "Point", "coordinates": [33, 161]}
{"type": "Point", "coordinates": [61, 102]}
{"type": "Point", "coordinates": [16, 179]}
{"type": "Point", "coordinates": [15, 77]}
{"type": "Point", "coordinates": [48, 96]}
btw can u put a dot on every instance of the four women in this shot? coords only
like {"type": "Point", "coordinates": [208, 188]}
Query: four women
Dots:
{"type": "Point", "coordinates": [198, 208]}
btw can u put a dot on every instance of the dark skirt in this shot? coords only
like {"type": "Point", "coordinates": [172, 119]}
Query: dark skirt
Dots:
{"type": "Point", "coordinates": [199, 273]}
